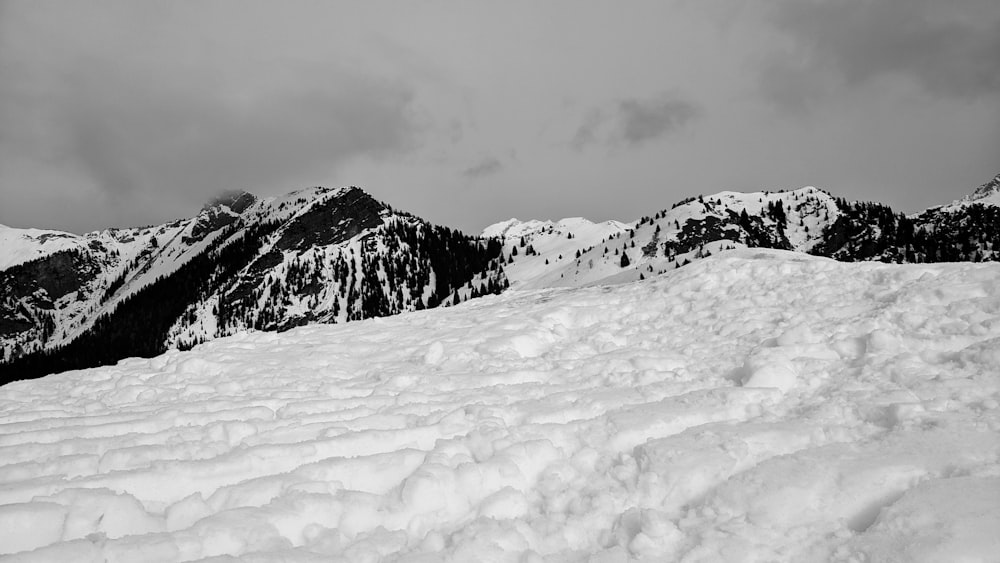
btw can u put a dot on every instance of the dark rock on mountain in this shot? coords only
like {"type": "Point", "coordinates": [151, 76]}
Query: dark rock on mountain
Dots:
{"type": "Point", "coordinates": [29, 291]}
{"type": "Point", "coordinates": [332, 221]}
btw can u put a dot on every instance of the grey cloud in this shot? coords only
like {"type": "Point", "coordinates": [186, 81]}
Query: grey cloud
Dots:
{"type": "Point", "coordinates": [130, 137]}
{"type": "Point", "coordinates": [487, 167]}
{"type": "Point", "coordinates": [586, 134]}
{"type": "Point", "coordinates": [140, 112]}
{"type": "Point", "coordinates": [154, 128]}
{"type": "Point", "coordinates": [635, 121]}
{"type": "Point", "coordinates": [948, 48]}
{"type": "Point", "coordinates": [642, 120]}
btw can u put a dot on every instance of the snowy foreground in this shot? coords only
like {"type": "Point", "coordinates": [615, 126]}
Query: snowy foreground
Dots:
{"type": "Point", "coordinates": [753, 406]}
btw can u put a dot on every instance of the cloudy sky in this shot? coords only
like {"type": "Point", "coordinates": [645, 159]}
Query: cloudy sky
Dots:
{"type": "Point", "coordinates": [468, 112]}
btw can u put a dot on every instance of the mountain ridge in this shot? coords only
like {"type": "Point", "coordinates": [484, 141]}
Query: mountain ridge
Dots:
{"type": "Point", "coordinates": [807, 219]}
{"type": "Point", "coordinates": [314, 255]}
{"type": "Point", "coordinates": [336, 254]}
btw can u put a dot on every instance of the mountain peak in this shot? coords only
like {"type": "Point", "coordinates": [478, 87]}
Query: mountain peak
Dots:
{"type": "Point", "coordinates": [987, 190]}
{"type": "Point", "coordinates": [235, 200]}
{"type": "Point", "coordinates": [986, 194]}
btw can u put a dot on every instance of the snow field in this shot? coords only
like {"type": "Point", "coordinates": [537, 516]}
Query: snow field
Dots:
{"type": "Point", "coordinates": [753, 406]}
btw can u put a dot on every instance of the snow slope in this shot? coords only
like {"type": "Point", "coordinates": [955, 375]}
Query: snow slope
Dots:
{"type": "Point", "coordinates": [552, 246]}
{"type": "Point", "coordinates": [22, 245]}
{"type": "Point", "coordinates": [109, 267]}
{"type": "Point", "coordinates": [576, 252]}
{"type": "Point", "coordinates": [753, 406]}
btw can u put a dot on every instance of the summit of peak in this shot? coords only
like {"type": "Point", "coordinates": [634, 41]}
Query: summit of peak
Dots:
{"type": "Point", "coordinates": [235, 200]}
{"type": "Point", "coordinates": [988, 189]}
{"type": "Point", "coordinates": [986, 194]}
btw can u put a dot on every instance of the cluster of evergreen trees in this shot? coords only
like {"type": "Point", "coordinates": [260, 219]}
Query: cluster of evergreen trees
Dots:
{"type": "Point", "coordinates": [404, 265]}
{"type": "Point", "coordinates": [776, 211]}
{"type": "Point", "coordinates": [872, 231]}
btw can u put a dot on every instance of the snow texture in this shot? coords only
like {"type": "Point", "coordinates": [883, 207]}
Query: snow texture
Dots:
{"type": "Point", "coordinates": [753, 406]}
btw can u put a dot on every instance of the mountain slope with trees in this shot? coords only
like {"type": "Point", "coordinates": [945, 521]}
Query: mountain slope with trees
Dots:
{"type": "Point", "coordinates": [318, 255]}
{"type": "Point", "coordinates": [325, 255]}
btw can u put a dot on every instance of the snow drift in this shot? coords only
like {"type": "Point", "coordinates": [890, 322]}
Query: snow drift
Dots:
{"type": "Point", "coordinates": [752, 406]}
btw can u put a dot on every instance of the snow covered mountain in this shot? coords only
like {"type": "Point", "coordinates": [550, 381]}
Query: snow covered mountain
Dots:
{"type": "Point", "coordinates": [24, 245]}
{"type": "Point", "coordinates": [755, 406]}
{"type": "Point", "coordinates": [56, 285]}
{"type": "Point", "coordinates": [535, 249]}
{"type": "Point", "coordinates": [316, 255]}
{"type": "Point", "coordinates": [987, 194]}
{"type": "Point", "coordinates": [335, 255]}
{"type": "Point", "coordinates": [576, 252]}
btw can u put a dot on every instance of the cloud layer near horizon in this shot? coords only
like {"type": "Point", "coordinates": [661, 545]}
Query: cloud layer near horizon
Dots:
{"type": "Point", "coordinates": [947, 49]}
{"type": "Point", "coordinates": [115, 113]}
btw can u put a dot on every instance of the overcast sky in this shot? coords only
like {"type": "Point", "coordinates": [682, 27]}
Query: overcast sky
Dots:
{"type": "Point", "coordinates": [467, 113]}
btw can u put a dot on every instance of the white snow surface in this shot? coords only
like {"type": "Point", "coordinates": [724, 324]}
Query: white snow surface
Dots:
{"type": "Point", "coordinates": [554, 249]}
{"type": "Point", "coordinates": [23, 245]}
{"type": "Point", "coordinates": [579, 226]}
{"type": "Point", "coordinates": [752, 406]}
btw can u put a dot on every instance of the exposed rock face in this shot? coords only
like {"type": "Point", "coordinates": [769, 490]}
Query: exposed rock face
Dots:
{"type": "Point", "coordinates": [332, 221]}
{"type": "Point", "coordinates": [56, 274]}
{"type": "Point", "coordinates": [31, 293]}
{"type": "Point", "coordinates": [751, 231]}
{"type": "Point", "coordinates": [221, 212]}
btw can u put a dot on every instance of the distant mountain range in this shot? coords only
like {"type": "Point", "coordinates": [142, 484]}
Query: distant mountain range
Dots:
{"type": "Point", "coordinates": [335, 255]}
